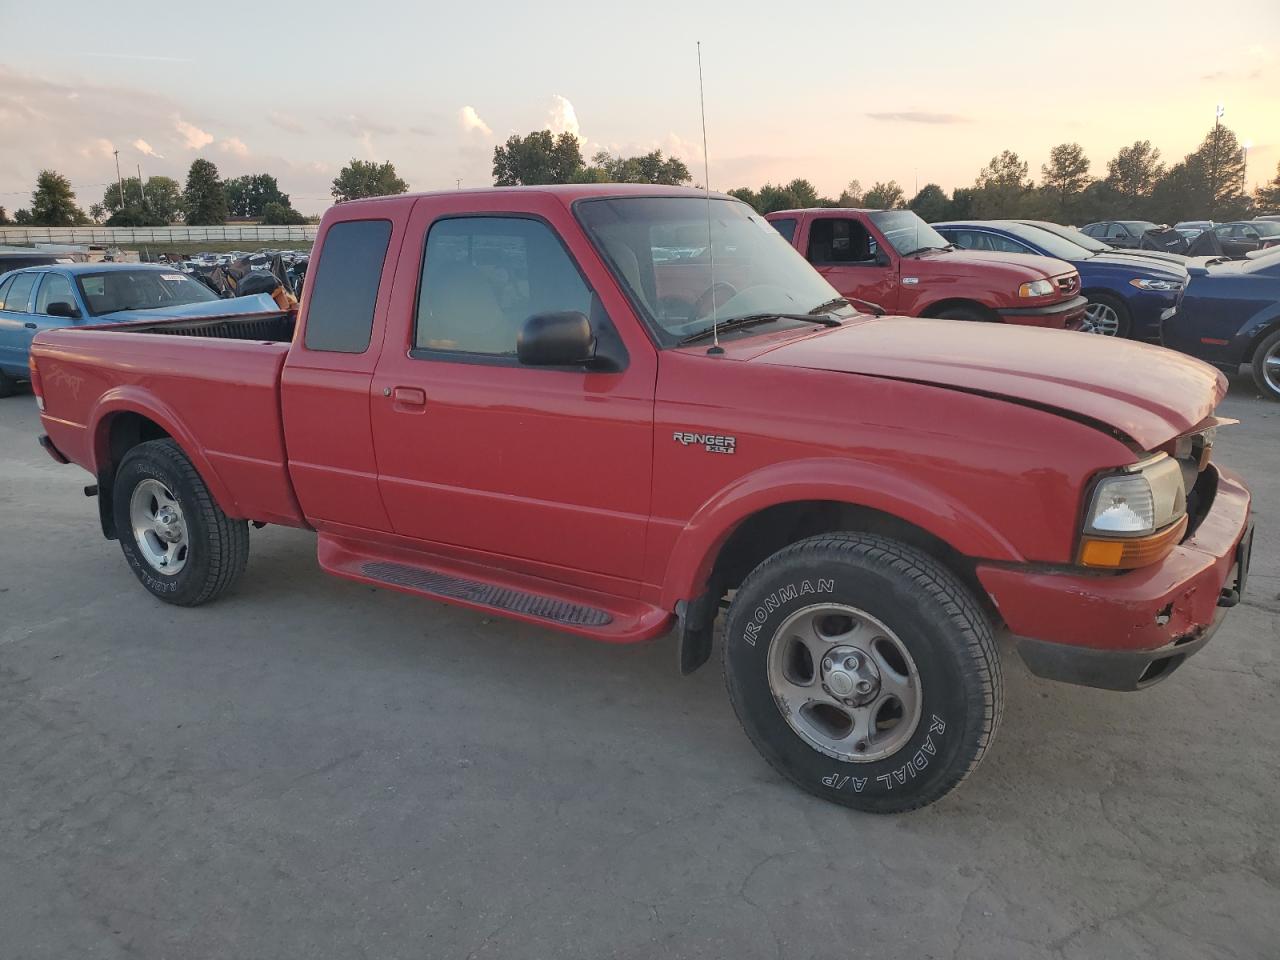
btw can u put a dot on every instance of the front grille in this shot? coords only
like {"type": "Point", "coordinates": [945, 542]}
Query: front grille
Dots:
{"type": "Point", "coordinates": [1069, 284]}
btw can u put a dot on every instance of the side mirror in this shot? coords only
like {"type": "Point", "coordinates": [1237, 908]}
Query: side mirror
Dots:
{"type": "Point", "coordinates": [882, 258]}
{"type": "Point", "coordinates": [61, 308]}
{"type": "Point", "coordinates": [556, 340]}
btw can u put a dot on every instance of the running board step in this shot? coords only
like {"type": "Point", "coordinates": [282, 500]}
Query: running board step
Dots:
{"type": "Point", "coordinates": [502, 592]}
{"type": "Point", "coordinates": [486, 594]}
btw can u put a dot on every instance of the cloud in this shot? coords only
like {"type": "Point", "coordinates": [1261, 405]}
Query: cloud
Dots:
{"type": "Point", "coordinates": [563, 118]}
{"type": "Point", "coordinates": [145, 149]}
{"type": "Point", "coordinates": [918, 116]}
{"type": "Point", "coordinates": [286, 123]}
{"type": "Point", "coordinates": [233, 145]}
{"type": "Point", "coordinates": [471, 122]}
{"type": "Point", "coordinates": [139, 56]}
{"type": "Point", "coordinates": [422, 130]}
{"type": "Point", "coordinates": [98, 147]}
{"type": "Point", "coordinates": [193, 138]}
{"type": "Point", "coordinates": [355, 125]}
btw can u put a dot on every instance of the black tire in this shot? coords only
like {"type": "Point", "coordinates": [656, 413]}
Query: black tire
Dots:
{"type": "Point", "coordinates": [1268, 349]}
{"type": "Point", "coordinates": [217, 547]}
{"type": "Point", "coordinates": [968, 314]}
{"type": "Point", "coordinates": [1124, 320]}
{"type": "Point", "coordinates": [8, 385]}
{"type": "Point", "coordinates": [935, 618]}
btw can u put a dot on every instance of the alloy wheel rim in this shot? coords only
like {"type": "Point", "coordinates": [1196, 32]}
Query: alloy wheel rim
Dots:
{"type": "Point", "coordinates": [1102, 320]}
{"type": "Point", "coordinates": [844, 682]}
{"type": "Point", "coordinates": [1271, 368]}
{"type": "Point", "coordinates": [159, 527]}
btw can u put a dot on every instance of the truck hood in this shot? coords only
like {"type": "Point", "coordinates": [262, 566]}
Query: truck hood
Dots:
{"type": "Point", "coordinates": [257, 303]}
{"type": "Point", "coordinates": [1147, 393]}
{"type": "Point", "coordinates": [1002, 269]}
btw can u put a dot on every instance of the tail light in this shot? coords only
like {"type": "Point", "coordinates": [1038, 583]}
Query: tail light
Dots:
{"type": "Point", "coordinates": [36, 386]}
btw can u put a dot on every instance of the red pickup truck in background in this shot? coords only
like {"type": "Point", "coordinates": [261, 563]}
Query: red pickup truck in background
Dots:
{"type": "Point", "coordinates": [894, 259]}
{"type": "Point", "coordinates": [519, 401]}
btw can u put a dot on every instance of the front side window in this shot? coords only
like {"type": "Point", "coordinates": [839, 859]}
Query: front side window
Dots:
{"type": "Point", "coordinates": [342, 296]}
{"type": "Point", "coordinates": [18, 297]}
{"type": "Point", "coordinates": [834, 240]}
{"type": "Point", "coordinates": [731, 263]}
{"type": "Point", "coordinates": [5, 283]}
{"type": "Point", "coordinates": [484, 277]}
{"type": "Point", "coordinates": [55, 289]}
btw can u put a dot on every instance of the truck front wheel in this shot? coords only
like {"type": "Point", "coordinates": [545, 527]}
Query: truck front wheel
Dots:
{"type": "Point", "coordinates": [863, 671]}
{"type": "Point", "coordinates": [177, 540]}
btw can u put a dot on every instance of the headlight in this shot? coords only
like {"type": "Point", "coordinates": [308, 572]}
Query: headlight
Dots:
{"type": "Point", "coordinates": [1136, 517]}
{"type": "Point", "coordinates": [1037, 288]}
{"type": "Point", "coordinates": [1162, 285]}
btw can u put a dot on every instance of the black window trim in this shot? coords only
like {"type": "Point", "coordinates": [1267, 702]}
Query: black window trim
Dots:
{"type": "Point", "coordinates": [416, 352]}
{"type": "Point", "coordinates": [311, 281]}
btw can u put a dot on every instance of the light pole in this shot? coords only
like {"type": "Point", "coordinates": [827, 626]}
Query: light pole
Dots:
{"type": "Point", "coordinates": [1244, 175]}
{"type": "Point", "coordinates": [119, 179]}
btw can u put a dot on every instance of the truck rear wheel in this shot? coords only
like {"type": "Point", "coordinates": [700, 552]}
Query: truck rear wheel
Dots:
{"type": "Point", "coordinates": [863, 671]}
{"type": "Point", "coordinates": [177, 540]}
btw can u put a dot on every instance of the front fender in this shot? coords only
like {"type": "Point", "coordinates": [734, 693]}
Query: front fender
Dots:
{"type": "Point", "coordinates": [838, 480]}
{"type": "Point", "coordinates": [131, 398]}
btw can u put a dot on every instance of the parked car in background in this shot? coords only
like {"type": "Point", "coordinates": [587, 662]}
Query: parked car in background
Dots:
{"type": "Point", "coordinates": [1094, 245]}
{"type": "Point", "coordinates": [1243, 236]}
{"type": "Point", "coordinates": [18, 259]}
{"type": "Point", "coordinates": [1122, 234]}
{"type": "Point", "coordinates": [1231, 316]}
{"type": "Point", "coordinates": [1193, 228]}
{"type": "Point", "coordinates": [61, 295]}
{"type": "Point", "coordinates": [495, 399]}
{"type": "Point", "coordinates": [894, 259]}
{"type": "Point", "coordinates": [1128, 296]}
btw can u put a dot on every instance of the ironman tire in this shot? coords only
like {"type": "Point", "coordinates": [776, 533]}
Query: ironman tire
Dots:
{"type": "Point", "coordinates": [883, 596]}
{"type": "Point", "coordinates": [166, 517]}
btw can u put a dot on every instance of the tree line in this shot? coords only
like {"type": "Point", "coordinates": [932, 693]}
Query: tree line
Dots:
{"type": "Point", "coordinates": [1207, 183]}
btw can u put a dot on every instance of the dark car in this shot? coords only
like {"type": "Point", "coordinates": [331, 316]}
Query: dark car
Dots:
{"type": "Point", "coordinates": [1231, 315]}
{"type": "Point", "coordinates": [20, 260]}
{"type": "Point", "coordinates": [1124, 234]}
{"type": "Point", "coordinates": [1128, 296]}
{"type": "Point", "coordinates": [1245, 236]}
{"type": "Point", "coordinates": [1094, 245]}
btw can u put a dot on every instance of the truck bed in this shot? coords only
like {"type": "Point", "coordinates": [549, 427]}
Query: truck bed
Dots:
{"type": "Point", "coordinates": [213, 384]}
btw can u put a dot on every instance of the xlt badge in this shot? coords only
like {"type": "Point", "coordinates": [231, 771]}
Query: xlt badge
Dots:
{"type": "Point", "coordinates": [712, 443]}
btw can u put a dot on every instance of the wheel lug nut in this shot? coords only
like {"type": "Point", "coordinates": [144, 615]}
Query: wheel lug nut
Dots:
{"type": "Point", "coordinates": [851, 663]}
{"type": "Point", "coordinates": [826, 664]}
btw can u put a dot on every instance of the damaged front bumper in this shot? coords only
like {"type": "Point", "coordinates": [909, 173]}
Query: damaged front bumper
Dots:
{"type": "Point", "coordinates": [1129, 630]}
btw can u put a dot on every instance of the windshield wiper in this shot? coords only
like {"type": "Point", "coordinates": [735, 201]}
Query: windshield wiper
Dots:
{"type": "Point", "coordinates": [912, 253]}
{"type": "Point", "coordinates": [751, 319]}
{"type": "Point", "coordinates": [874, 308]}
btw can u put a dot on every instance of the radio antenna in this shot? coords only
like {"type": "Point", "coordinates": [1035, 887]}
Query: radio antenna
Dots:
{"type": "Point", "coordinates": [706, 176]}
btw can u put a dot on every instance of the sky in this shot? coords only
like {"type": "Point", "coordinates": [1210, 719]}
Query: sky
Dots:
{"type": "Point", "coordinates": [916, 92]}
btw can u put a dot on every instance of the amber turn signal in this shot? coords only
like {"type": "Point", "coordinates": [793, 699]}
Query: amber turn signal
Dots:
{"type": "Point", "coordinates": [1131, 552]}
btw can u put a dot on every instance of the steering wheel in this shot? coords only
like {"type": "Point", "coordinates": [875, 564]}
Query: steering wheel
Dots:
{"type": "Point", "coordinates": [702, 306]}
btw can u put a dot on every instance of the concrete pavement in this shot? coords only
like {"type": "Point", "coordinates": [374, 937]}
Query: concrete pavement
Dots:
{"type": "Point", "coordinates": [313, 768]}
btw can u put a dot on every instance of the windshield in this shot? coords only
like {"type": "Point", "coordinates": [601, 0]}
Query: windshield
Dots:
{"type": "Point", "coordinates": [1265, 228]}
{"type": "Point", "coordinates": [1051, 243]}
{"type": "Point", "coordinates": [114, 290]}
{"type": "Point", "coordinates": [658, 248]}
{"type": "Point", "coordinates": [1077, 237]}
{"type": "Point", "coordinates": [1139, 227]}
{"type": "Point", "coordinates": [906, 232]}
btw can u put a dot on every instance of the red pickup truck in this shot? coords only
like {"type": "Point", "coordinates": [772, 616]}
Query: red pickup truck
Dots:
{"type": "Point", "coordinates": [895, 260]}
{"type": "Point", "coordinates": [554, 405]}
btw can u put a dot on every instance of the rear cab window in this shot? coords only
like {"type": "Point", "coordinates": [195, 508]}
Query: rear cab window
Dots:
{"type": "Point", "coordinates": [786, 227]}
{"type": "Point", "coordinates": [344, 289]}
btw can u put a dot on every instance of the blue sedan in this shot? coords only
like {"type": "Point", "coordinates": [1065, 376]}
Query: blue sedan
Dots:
{"type": "Point", "coordinates": [1129, 296]}
{"type": "Point", "coordinates": [61, 295]}
{"type": "Point", "coordinates": [1231, 315]}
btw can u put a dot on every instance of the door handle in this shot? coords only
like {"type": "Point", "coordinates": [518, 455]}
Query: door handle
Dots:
{"type": "Point", "coordinates": [31, 326]}
{"type": "Point", "coordinates": [409, 399]}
